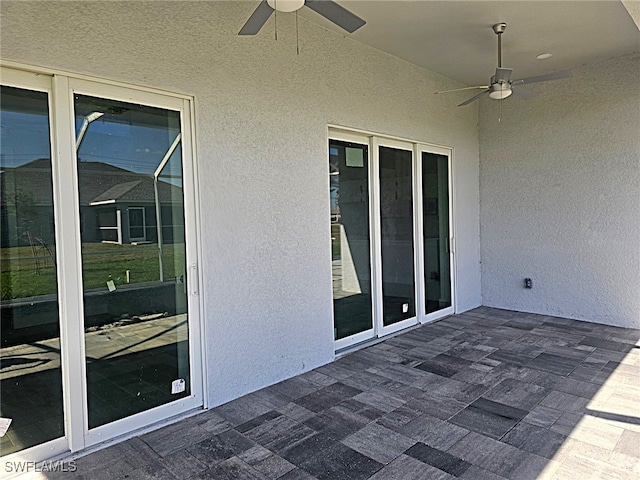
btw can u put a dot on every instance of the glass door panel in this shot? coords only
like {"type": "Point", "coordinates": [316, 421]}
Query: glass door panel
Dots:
{"type": "Point", "coordinates": [396, 234]}
{"type": "Point", "coordinates": [435, 198]}
{"type": "Point", "coordinates": [30, 371]}
{"type": "Point", "coordinates": [135, 294]}
{"type": "Point", "coordinates": [350, 243]}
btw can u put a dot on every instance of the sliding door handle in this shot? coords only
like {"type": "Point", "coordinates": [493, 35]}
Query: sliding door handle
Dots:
{"type": "Point", "coordinates": [193, 279]}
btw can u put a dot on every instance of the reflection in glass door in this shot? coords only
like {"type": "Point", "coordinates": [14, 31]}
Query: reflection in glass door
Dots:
{"type": "Point", "coordinates": [435, 211]}
{"type": "Point", "coordinates": [129, 165]}
{"type": "Point", "coordinates": [350, 245]}
{"type": "Point", "coordinates": [396, 234]}
{"type": "Point", "coordinates": [30, 370]}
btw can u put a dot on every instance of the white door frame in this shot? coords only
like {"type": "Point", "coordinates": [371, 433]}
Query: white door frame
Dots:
{"type": "Point", "coordinates": [447, 152]}
{"type": "Point", "coordinates": [139, 420]}
{"type": "Point", "coordinates": [371, 332]}
{"type": "Point", "coordinates": [42, 83]}
{"type": "Point", "coordinates": [374, 141]}
{"type": "Point", "coordinates": [378, 142]}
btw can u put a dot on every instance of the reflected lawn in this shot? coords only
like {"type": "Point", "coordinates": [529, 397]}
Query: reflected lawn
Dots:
{"type": "Point", "coordinates": [24, 276]}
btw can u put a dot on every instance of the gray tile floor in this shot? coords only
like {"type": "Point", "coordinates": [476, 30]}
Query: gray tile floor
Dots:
{"type": "Point", "coordinates": [489, 394]}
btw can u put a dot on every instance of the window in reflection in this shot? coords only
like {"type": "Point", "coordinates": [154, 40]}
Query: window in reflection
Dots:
{"type": "Point", "coordinates": [30, 376]}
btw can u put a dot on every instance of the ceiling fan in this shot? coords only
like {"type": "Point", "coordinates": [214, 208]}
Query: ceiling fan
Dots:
{"type": "Point", "coordinates": [501, 85]}
{"type": "Point", "coordinates": [327, 8]}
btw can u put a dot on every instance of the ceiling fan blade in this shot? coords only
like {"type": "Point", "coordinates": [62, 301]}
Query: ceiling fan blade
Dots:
{"type": "Point", "coordinates": [257, 19]}
{"type": "Point", "coordinates": [336, 14]}
{"type": "Point", "coordinates": [461, 89]}
{"type": "Point", "coordinates": [523, 92]}
{"type": "Point", "coordinates": [503, 74]}
{"type": "Point", "coordinates": [544, 78]}
{"type": "Point", "coordinates": [474, 98]}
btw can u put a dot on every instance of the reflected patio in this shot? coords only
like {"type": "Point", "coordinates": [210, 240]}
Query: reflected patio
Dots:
{"type": "Point", "coordinates": [115, 351]}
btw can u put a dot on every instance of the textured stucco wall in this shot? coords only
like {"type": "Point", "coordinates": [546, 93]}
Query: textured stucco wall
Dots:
{"type": "Point", "coordinates": [261, 123]}
{"type": "Point", "coordinates": [560, 196]}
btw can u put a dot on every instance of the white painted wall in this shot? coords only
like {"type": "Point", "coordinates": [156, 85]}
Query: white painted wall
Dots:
{"type": "Point", "coordinates": [560, 196]}
{"type": "Point", "coordinates": [261, 122]}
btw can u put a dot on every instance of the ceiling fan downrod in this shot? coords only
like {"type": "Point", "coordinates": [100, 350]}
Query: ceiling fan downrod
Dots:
{"type": "Point", "coordinates": [499, 29]}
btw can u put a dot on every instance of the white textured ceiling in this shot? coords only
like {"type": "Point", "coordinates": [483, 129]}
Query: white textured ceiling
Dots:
{"type": "Point", "coordinates": [455, 39]}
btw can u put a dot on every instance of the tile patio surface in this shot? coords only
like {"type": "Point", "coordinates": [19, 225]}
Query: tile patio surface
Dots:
{"type": "Point", "coordinates": [489, 394]}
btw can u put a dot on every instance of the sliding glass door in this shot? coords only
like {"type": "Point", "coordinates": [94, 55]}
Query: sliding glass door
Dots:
{"type": "Point", "coordinates": [100, 305]}
{"type": "Point", "coordinates": [350, 239]}
{"type": "Point", "coordinates": [436, 232]}
{"type": "Point", "coordinates": [129, 163]}
{"type": "Point", "coordinates": [390, 235]}
{"type": "Point", "coordinates": [31, 404]}
{"type": "Point", "coordinates": [397, 227]}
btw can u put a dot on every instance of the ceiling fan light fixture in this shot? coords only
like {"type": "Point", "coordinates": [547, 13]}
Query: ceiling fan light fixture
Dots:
{"type": "Point", "coordinates": [286, 5]}
{"type": "Point", "coordinates": [500, 91]}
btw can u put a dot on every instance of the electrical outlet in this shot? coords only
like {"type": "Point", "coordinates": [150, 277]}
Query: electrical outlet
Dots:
{"type": "Point", "coordinates": [528, 283]}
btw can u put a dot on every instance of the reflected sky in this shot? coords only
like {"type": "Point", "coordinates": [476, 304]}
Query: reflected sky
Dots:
{"type": "Point", "coordinates": [129, 136]}
{"type": "Point", "coordinates": [24, 137]}
{"type": "Point", "coordinates": [135, 148]}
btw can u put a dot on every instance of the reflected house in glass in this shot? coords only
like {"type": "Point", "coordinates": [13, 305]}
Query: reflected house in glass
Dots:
{"type": "Point", "coordinates": [117, 205]}
{"type": "Point", "coordinates": [125, 211]}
